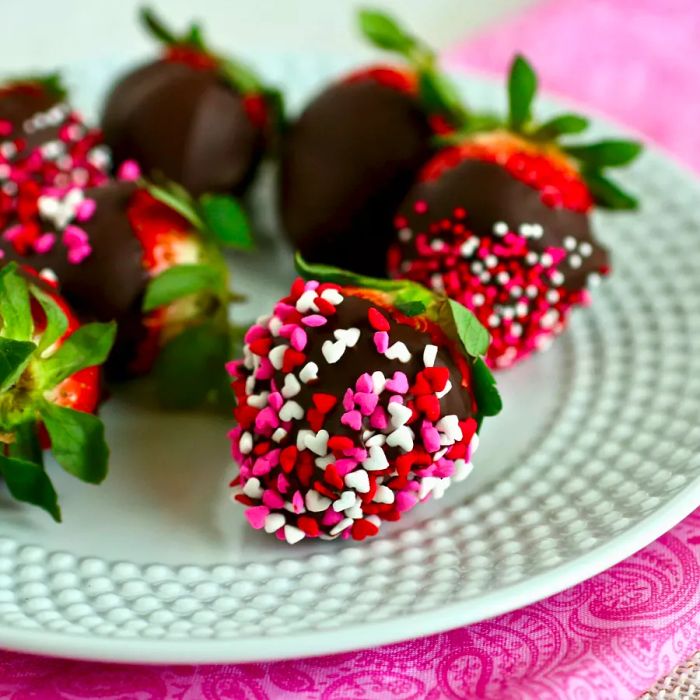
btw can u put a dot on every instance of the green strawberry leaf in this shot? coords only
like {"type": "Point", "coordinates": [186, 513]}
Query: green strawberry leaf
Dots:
{"type": "Point", "coordinates": [224, 217]}
{"type": "Point", "coordinates": [240, 76]}
{"type": "Point", "coordinates": [439, 94]}
{"type": "Point", "coordinates": [89, 346]}
{"type": "Point", "coordinates": [488, 400]}
{"type": "Point", "coordinates": [522, 86]}
{"type": "Point", "coordinates": [56, 319]}
{"type": "Point", "coordinates": [606, 154]}
{"type": "Point", "coordinates": [384, 32]}
{"type": "Point", "coordinates": [607, 193]}
{"type": "Point", "coordinates": [195, 37]}
{"type": "Point", "coordinates": [177, 198]}
{"type": "Point", "coordinates": [28, 482]}
{"type": "Point", "coordinates": [15, 311]}
{"type": "Point", "coordinates": [562, 125]}
{"type": "Point", "coordinates": [77, 442]}
{"type": "Point", "coordinates": [181, 281]}
{"type": "Point", "coordinates": [156, 28]}
{"type": "Point", "coordinates": [190, 368]}
{"type": "Point", "coordinates": [52, 83]}
{"type": "Point", "coordinates": [411, 308]}
{"type": "Point", "coordinates": [15, 355]}
{"type": "Point", "coordinates": [26, 443]}
{"type": "Point", "coordinates": [460, 324]}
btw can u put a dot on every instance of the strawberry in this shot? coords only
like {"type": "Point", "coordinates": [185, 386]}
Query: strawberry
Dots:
{"type": "Point", "coordinates": [45, 147]}
{"type": "Point", "coordinates": [342, 177]}
{"type": "Point", "coordinates": [499, 220]}
{"type": "Point", "coordinates": [197, 117]}
{"type": "Point", "coordinates": [381, 412]}
{"type": "Point", "coordinates": [144, 256]}
{"type": "Point", "coordinates": [49, 389]}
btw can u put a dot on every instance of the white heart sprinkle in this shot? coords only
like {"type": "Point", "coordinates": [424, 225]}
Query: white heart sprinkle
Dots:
{"type": "Point", "coordinates": [309, 372]}
{"type": "Point", "coordinates": [378, 382]}
{"type": "Point", "coordinates": [449, 425]}
{"type": "Point", "coordinates": [427, 484]}
{"type": "Point", "coordinates": [401, 437]}
{"type": "Point", "coordinates": [293, 534]}
{"type": "Point", "coordinates": [400, 414]}
{"type": "Point", "coordinates": [446, 390]}
{"type": "Point", "coordinates": [323, 462]}
{"type": "Point", "coordinates": [245, 444]}
{"type": "Point", "coordinates": [291, 386]}
{"type": "Point", "coordinates": [258, 400]}
{"type": "Point", "coordinates": [355, 512]}
{"type": "Point", "coordinates": [429, 355]}
{"type": "Point", "coordinates": [349, 336]}
{"type": "Point", "coordinates": [441, 486]}
{"type": "Point", "coordinates": [344, 524]}
{"type": "Point", "coordinates": [317, 443]}
{"type": "Point", "coordinates": [347, 500]}
{"type": "Point", "coordinates": [274, 326]}
{"type": "Point", "coordinates": [377, 439]}
{"type": "Point", "coordinates": [252, 488]}
{"type": "Point", "coordinates": [384, 495]}
{"type": "Point", "coordinates": [301, 438]}
{"type": "Point", "coordinates": [279, 435]}
{"type": "Point", "coordinates": [374, 519]}
{"type": "Point", "coordinates": [441, 453]}
{"type": "Point", "coordinates": [398, 351]}
{"type": "Point", "coordinates": [291, 411]}
{"type": "Point", "coordinates": [316, 502]}
{"type": "Point", "coordinates": [332, 296]}
{"type": "Point", "coordinates": [462, 469]}
{"type": "Point", "coordinates": [274, 521]}
{"type": "Point", "coordinates": [276, 356]}
{"type": "Point", "coordinates": [358, 480]}
{"type": "Point", "coordinates": [306, 301]}
{"type": "Point", "coordinates": [333, 351]}
{"type": "Point", "coordinates": [250, 384]}
{"type": "Point", "coordinates": [474, 444]}
{"type": "Point", "coordinates": [376, 459]}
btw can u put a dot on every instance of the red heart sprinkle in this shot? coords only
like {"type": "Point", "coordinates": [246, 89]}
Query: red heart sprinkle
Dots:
{"type": "Point", "coordinates": [292, 358]}
{"type": "Point", "coordinates": [288, 458]}
{"type": "Point", "coordinates": [324, 402]}
{"type": "Point", "coordinates": [308, 525]}
{"type": "Point", "coordinates": [377, 320]}
{"type": "Point", "coordinates": [363, 528]}
{"type": "Point", "coordinates": [261, 346]}
{"type": "Point", "coordinates": [315, 419]}
{"type": "Point", "coordinates": [332, 477]}
{"type": "Point", "coordinates": [429, 405]}
{"type": "Point", "coordinates": [340, 443]}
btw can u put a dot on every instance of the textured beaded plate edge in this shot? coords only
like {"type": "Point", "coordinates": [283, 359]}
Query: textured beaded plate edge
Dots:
{"type": "Point", "coordinates": [595, 456]}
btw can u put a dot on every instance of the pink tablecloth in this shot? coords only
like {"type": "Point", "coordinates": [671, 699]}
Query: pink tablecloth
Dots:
{"type": "Point", "coordinates": [607, 639]}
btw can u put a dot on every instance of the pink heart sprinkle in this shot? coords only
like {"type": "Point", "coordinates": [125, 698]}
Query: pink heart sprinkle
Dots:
{"type": "Point", "coordinates": [275, 400]}
{"type": "Point", "coordinates": [129, 170]}
{"type": "Point", "coordinates": [233, 366]}
{"type": "Point", "coordinates": [299, 339]}
{"type": "Point", "coordinates": [378, 419]}
{"type": "Point", "coordinates": [273, 457]}
{"type": "Point", "coordinates": [298, 502]}
{"type": "Point", "coordinates": [366, 402]}
{"type": "Point", "coordinates": [314, 320]}
{"type": "Point", "coordinates": [266, 420]}
{"type": "Point", "coordinates": [261, 466]}
{"type": "Point", "coordinates": [13, 232]}
{"type": "Point", "coordinates": [345, 466]}
{"type": "Point", "coordinates": [381, 341]}
{"type": "Point", "coordinates": [86, 209]}
{"type": "Point", "coordinates": [74, 236]}
{"type": "Point", "coordinates": [405, 501]}
{"type": "Point", "coordinates": [330, 517]}
{"type": "Point", "coordinates": [357, 453]}
{"type": "Point", "coordinates": [283, 310]}
{"type": "Point", "coordinates": [398, 384]}
{"type": "Point", "coordinates": [255, 332]}
{"type": "Point", "coordinates": [396, 399]}
{"type": "Point", "coordinates": [44, 243]}
{"type": "Point", "coordinates": [256, 516]}
{"type": "Point", "coordinates": [283, 483]}
{"type": "Point", "coordinates": [364, 383]}
{"type": "Point", "coordinates": [272, 499]}
{"type": "Point", "coordinates": [348, 400]}
{"type": "Point", "coordinates": [78, 254]}
{"type": "Point", "coordinates": [311, 284]}
{"type": "Point", "coordinates": [353, 419]}
{"type": "Point", "coordinates": [430, 436]}
{"type": "Point", "coordinates": [265, 370]}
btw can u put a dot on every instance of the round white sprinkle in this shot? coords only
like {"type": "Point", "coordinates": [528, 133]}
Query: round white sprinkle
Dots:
{"type": "Point", "coordinates": [494, 321]}
{"type": "Point", "coordinates": [546, 260]}
{"type": "Point", "coordinates": [405, 235]}
{"type": "Point", "coordinates": [500, 228]}
{"type": "Point", "coordinates": [478, 299]}
{"type": "Point", "coordinates": [570, 243]}
{"type": "Point", "coordinates": [575, 261]}
{"type": "Point", "coordinates": [585, 249]}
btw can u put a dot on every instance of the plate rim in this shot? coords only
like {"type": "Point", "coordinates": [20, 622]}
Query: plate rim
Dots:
{"type": "Point", "coordinates": [447, 617]}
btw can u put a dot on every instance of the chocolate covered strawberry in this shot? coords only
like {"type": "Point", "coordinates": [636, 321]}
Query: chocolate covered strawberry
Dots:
{"type": "Point", "coordinates": [45, 147]}
{"type": "Point", "coordinates": [49, 388]}
{"type": "Point", "coordinates": [194, 116]}
{"type": "Point", "coordinates": [356, 400]}
{"type": "Point", "coordinates": [500, 220]}
{"type": "Point", "coordinates": [147, 258]}
{"type": "Point", "coordinates": [351, 156]}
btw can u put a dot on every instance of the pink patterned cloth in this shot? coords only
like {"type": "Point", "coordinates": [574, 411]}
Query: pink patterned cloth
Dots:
{"type": "Point", "coordinates": [609, 638]}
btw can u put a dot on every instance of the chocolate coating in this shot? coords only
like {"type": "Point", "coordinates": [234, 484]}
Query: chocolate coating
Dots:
{"type": "Point", "coordinates": [346, 164]}
{"type": "Point", "coordinates": [186, 124]}
{"type": "Point", "coordinates": [109, 284]}
{"type": "Point", "coordinates": [489, 194]}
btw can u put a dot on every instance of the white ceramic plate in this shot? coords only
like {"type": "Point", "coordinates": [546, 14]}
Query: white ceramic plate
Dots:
{"type": "Point", "coordinates": [595, 455]}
